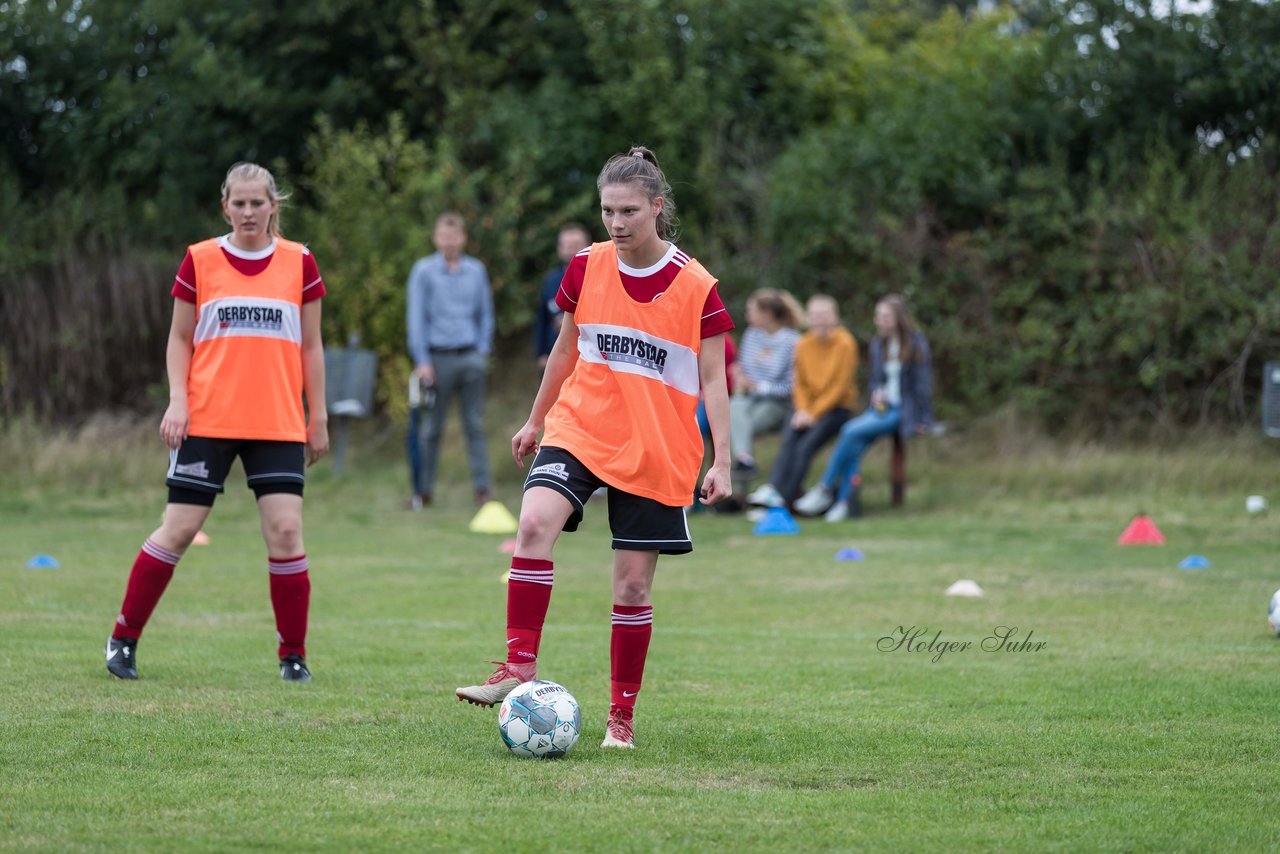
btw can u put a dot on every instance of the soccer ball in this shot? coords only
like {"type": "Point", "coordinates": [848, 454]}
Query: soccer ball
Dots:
{"type": "Point", "coordinates": [539, 719]}
{"type": "Point", "coordinates": [1273, 613]}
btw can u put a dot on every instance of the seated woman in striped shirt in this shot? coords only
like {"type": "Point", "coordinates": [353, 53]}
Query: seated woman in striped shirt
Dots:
{"type": "Point", "coordinates": [763, 374]}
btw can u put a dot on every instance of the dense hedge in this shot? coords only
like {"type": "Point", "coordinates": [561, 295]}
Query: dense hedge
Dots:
{"type": "Point", "coordinates": [1079, 198]}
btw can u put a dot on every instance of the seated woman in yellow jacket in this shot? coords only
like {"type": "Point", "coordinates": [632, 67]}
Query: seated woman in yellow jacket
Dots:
{"type": "Point", "coordinates": [826, 364]}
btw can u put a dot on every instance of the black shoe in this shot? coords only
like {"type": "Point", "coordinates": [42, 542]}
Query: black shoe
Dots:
{"type": "Point", "coordinates": [122, 658]}
{"type": "Point", "coordinates": [294, 669]}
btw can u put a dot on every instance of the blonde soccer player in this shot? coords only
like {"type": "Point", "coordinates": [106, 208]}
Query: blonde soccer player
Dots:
{"type": "Point", "coordinates": [244, 349]}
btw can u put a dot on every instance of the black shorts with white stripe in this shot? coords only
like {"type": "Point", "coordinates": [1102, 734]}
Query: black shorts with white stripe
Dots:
{"type": "Point", "coordinates": [638, 524]}
{"type": "Point", "coordinates": [198, 469]}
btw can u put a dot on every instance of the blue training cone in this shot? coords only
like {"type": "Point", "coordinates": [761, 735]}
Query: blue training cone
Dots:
{"type": "Point", "coordinates": [776, 521]}
{"type": "Point", "coordinates": [43, 562]}
{"type": "Point", "coordinates": [849, 554]}
{"type": "Point", "coordinates": [1194, 562]}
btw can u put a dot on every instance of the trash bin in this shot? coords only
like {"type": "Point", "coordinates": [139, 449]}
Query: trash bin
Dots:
{"type": "Point", "coordinates": [350, 377]}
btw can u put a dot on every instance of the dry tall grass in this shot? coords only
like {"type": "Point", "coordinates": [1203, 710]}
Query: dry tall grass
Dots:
{"type": "Point", "coordinates": [109, 449]}
{"type": "Point", "coordinates": [84, 333]}
{"type": "Point", "coordinates": [998, 457]}
{"type": "Point", "coordinates": [1011, 455]}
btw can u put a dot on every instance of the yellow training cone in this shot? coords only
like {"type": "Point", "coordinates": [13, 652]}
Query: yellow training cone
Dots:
{"type": "Point", "coordinates": [493, 518]}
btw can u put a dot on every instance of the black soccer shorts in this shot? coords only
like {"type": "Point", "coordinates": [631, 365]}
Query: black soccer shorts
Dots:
{"type": "Point", "coordinates": [637, 523]}
{"type": "Point", "coordinates": [198, 469]}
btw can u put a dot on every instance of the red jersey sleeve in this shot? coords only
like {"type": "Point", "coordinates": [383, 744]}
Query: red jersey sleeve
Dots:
{"type": "Point", "coordinates": [715, 317]}
{"type": "Point", "coordinates": [184, 284]}
{"type": "Point", "coordinates": [571, 284]}
{"type": "Point", "coordinates": [312, 284]}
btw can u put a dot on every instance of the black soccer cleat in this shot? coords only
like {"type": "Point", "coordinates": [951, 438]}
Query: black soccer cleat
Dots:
{"type": "Point", "coordinates": [122, 657]}
{"type": "Point", "coordinates": [293, 668]}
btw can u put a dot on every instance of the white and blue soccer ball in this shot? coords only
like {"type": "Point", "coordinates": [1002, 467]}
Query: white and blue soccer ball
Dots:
{"type": "Point", "coordinates": [1273, 613]}
{"type": "Point", "coordinates": [540, 719]}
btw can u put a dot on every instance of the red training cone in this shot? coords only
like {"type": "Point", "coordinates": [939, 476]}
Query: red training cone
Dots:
{"type": "Point", "coordinates": [1141, 532]}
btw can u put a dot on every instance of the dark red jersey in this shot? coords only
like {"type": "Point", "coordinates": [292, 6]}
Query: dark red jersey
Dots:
{"type": "Point", "coordinates": [248, 264]}
{"type": "Point", "coordinates": [645, 285]}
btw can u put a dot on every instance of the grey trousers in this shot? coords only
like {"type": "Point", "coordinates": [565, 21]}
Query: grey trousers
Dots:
{"type": "Point", "coordinates": [750, 415]}
{"type": "Point", "coordinates": [463, 375]}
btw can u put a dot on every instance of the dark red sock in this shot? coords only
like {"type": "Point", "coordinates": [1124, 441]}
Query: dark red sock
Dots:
{"type": "Point", "coordinates": [528, 595]}
{"type": "Point", "coordinates": [291, 599]}
{"type": "Point", "coordinates": [151, 573]}
{"type": "Point", "coordinates": [628, 649]}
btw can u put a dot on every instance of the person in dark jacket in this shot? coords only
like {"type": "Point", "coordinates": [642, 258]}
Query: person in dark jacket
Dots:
{"type": "Point", "coordinates": [573, 238]}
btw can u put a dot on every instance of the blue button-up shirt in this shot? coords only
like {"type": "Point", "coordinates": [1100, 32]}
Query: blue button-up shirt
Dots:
{"type": "Point", "coordinates": [448, 309]}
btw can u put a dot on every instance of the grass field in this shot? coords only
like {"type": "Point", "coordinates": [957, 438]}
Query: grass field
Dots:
{"type": "Point", "coordinates": [774, 716]}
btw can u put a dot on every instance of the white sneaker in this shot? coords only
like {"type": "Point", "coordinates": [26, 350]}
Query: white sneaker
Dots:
{"type": "Point", "coordinates": [838, 512]}
{"type": "Point", "coordinates": [766, 496]}
{"type": "Point", "coordinates": [755, 514]}
{"type": "Point", "coordinates": [815, 502]}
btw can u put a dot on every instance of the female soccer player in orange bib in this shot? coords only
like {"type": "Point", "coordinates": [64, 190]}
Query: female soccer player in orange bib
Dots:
{"type": "Point", "coordinates": [642, 336]}
{"type": "Point", "coordinates": [244, 346]}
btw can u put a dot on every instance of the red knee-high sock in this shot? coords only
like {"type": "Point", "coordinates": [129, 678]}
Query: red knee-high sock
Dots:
{"type": "Point", "coordinates": [152, 570]}
{"type": "Point", "coordinates": [628, 648]}
{"type": "Point", "coordinates": [291, 599]}
{"type": "Point", "coordinates": [528, 595]}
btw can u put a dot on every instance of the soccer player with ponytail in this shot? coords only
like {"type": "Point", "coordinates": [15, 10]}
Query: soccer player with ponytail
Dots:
{"type": "Point", "coordinates": [643, 335]}
{"type": "Point", "coordinates": [244, 347]}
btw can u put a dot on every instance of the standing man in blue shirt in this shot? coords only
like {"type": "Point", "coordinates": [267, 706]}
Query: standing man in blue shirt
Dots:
{"type": "Point", "coordinates": [573, 239]}
{"type": "Point", "coordinates": [450, 324]}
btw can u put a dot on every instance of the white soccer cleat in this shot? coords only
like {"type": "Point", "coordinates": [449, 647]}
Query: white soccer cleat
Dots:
{"type": "Point", "coordinates": [618, 732]}
{"type": "Point", "coordinates": [499, 685]}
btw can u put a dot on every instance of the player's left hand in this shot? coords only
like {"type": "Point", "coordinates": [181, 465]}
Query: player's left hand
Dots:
{"type": "Point", "coordinates": [716, 486]}
{"type": "Point", "coordinates": [317, 440]}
